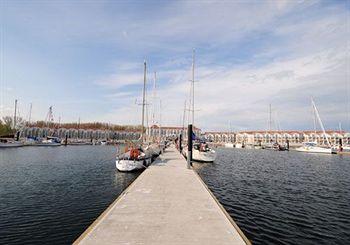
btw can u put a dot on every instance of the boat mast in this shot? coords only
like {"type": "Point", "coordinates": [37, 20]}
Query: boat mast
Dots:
{"type": "Point", "coordinates": [154, 98]}
{"type": "Point", "coordinates": [143, 101]}
{"type": "Point", "coordinates": [160, 119]}
{"type": "Point", "coordinates": [15, 115]}
{"type": "Point", "coordinates": [270, 120]}
{"type": "Point", "coordinates": [320, 121]}
{"type": "Point", "coordinates": [314, 116]}
{"type": "Point", "coordinates": [193, 59]}
{"type": "Point", "coordinates": [183, 118]}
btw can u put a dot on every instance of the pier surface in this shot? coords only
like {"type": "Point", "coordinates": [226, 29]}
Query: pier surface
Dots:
{"type": "Point", "coordinates": [166, 204]}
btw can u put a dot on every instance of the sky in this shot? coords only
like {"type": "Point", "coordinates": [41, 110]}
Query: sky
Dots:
{"type": "Point", "coordinates": [85, 58]}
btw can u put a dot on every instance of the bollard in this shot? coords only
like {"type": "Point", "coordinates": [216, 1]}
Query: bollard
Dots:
{"type": "Point", "coordinates": [180, 143]}
{"type": "Point", "coordinates": [340, 145]}
{"type": "Point", "coordinates": [189, 146]}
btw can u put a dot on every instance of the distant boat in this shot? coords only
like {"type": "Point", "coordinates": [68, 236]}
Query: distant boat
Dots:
{"type": "Point", "coordinates": [229, 145]}
{"type": "Point", "coordinates": [276, 147]}
{"type": "Point", "coordinates": [10, 143]}
{"type": "Point", "coordinates": [312, 147]}
{"type": "Point", "coordinates": [239, 145]}
{"type": "Point", "coordinates": [49, 141]}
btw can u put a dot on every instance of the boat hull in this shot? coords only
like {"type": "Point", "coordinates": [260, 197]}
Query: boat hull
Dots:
{"type": "Point", "coordinates": [200, 156]}
{"type": "Point", "coordinates": [129, 165]}
{"type": "Point", "coordinates": [315, 150]}
{"type": "Point", "coordinates": [10, 145]}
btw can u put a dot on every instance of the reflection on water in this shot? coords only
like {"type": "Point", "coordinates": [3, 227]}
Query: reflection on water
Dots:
{"type": "Point", "coordinates": [283, 197]}
{"type": "Point", "coordinates": [51, 195]}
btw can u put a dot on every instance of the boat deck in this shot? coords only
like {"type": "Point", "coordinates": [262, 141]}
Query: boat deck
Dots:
{"type": "Point", "coordinates": [166, 204]}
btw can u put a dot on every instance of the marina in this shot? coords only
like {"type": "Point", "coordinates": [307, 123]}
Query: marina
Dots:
{"type": "Point", "coordinates": [63, 190]}
{"type": "Point", "coordinates": [174, 122]}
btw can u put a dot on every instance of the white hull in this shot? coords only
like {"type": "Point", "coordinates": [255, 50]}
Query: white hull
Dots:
{"type": "Point", "coordinates": [315, 149]}
{"type": "Point", "coordinates": [10, 145]}
{"type": "Point", "coordinates": [229, 145]}
{"type": "Point", "coordinates": [239, 145]}
{"type": "Point", "coordinates": [346, 148]}
{"type": "Point", "coordinates": [203, 156]}
{"type": "Point", "coordinates": [129, 165]}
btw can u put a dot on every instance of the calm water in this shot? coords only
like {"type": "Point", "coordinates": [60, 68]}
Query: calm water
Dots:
{"type": "Point", "coordinates": [283, 197]}
{"type": "Point", "coordinates": [50, 195]}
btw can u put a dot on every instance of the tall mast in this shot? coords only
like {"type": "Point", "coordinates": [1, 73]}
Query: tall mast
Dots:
{"type": "Point", "coordinates": [193, 57]}
{"type": "Point", "coordinates": [270, 120]}
{"type": "Point", "coordinates": [143, 101]}
{"type": "Point", "coordinates": [160, 119]}
{"type": "Point", "coordinates": [15, 116]}
{"type": "Point", "coordinates": [30, 113]}
{"type": "Point", "coordinates": [319, 120]}
{"type": "Point", "coordinates": [313, 114]}
{"type": "Point", "coordinates": [184, 117]}
{"type": "Point", "coordinates": [154, 98]}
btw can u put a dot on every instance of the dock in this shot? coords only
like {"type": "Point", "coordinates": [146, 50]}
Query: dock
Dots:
{"type": "Point", "coordinates": [166, 204]}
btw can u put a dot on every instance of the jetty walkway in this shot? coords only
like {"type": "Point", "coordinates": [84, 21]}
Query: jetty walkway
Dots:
{"type": "Point", "coordinates": [166, 204]}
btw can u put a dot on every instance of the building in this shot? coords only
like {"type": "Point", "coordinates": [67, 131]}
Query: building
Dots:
{"type": "Point", "coordinates": [154, 131]}
{"type": "Point", "coordinates": [294, 137]}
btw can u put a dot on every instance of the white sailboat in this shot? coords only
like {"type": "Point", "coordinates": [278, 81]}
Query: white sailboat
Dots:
{"type": "Point", "coordinates": [138, 155]}
{"type": "Point", "coordinates": [312, 147]}
{"type": "Point", "coordinates": [201, 152]}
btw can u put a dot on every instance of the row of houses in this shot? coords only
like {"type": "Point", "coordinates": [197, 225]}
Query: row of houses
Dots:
{"type": "Point", "coordinates": [78, 133]}
{"type": "Point", "coordinates": [282, 137]}
{"type": "Point", "coordinates": [245, 137]}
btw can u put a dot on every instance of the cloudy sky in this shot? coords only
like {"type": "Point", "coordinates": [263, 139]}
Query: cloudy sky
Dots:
{"type": "Point", "coordinates": [86, 59]}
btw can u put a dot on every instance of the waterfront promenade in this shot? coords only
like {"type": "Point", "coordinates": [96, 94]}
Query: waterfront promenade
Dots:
{"type": "Point", "coordinates": [166, 204]}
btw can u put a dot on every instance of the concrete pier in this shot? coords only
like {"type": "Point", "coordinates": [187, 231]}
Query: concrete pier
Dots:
{"type": "Point", "coordinates": [166, 204]}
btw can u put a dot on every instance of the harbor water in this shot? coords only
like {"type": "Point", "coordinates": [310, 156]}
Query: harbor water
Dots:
{"type": "Point", "coordinates": [283, 197]}
{"type": "Point", "coordinates": [50, 195]}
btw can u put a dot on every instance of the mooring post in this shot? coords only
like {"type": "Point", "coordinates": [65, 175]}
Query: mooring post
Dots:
{"type": "Point", "coordinates": [287, 144]}
{"type": "Point", "coordinates": [66, 140]}
{"type": "Point", "coordinates": [189, 146]}
{"type": "Point", "coordinates": [180, 143]}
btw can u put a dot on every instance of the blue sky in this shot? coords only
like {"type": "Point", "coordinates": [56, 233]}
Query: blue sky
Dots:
{"type": "Point", "coordinates": [86, 59]}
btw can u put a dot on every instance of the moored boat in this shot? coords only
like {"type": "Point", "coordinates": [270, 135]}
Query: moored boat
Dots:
{"type": "Point", "coordinates": [132, 160]}
{"type": "Point", "coordinates": [311, 147]}
{"type": "Point", "coordinates": [10, 143]}
{"type": "Point", "coordinates": [203, 153]}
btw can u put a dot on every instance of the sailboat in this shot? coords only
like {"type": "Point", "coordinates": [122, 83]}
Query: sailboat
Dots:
{"type": "Point", "coordinates": [12, 140]}
{"type": "Point", "coordinates": [137, 155]}
{"type": "Point", "coordinates": [273, 145]}
{"type": "Point", "coordinates": [49, 140]}
{"type": "Point", "coordinates": [201, 152]}
{"type": "Point", "coordinates": [312, 147]}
